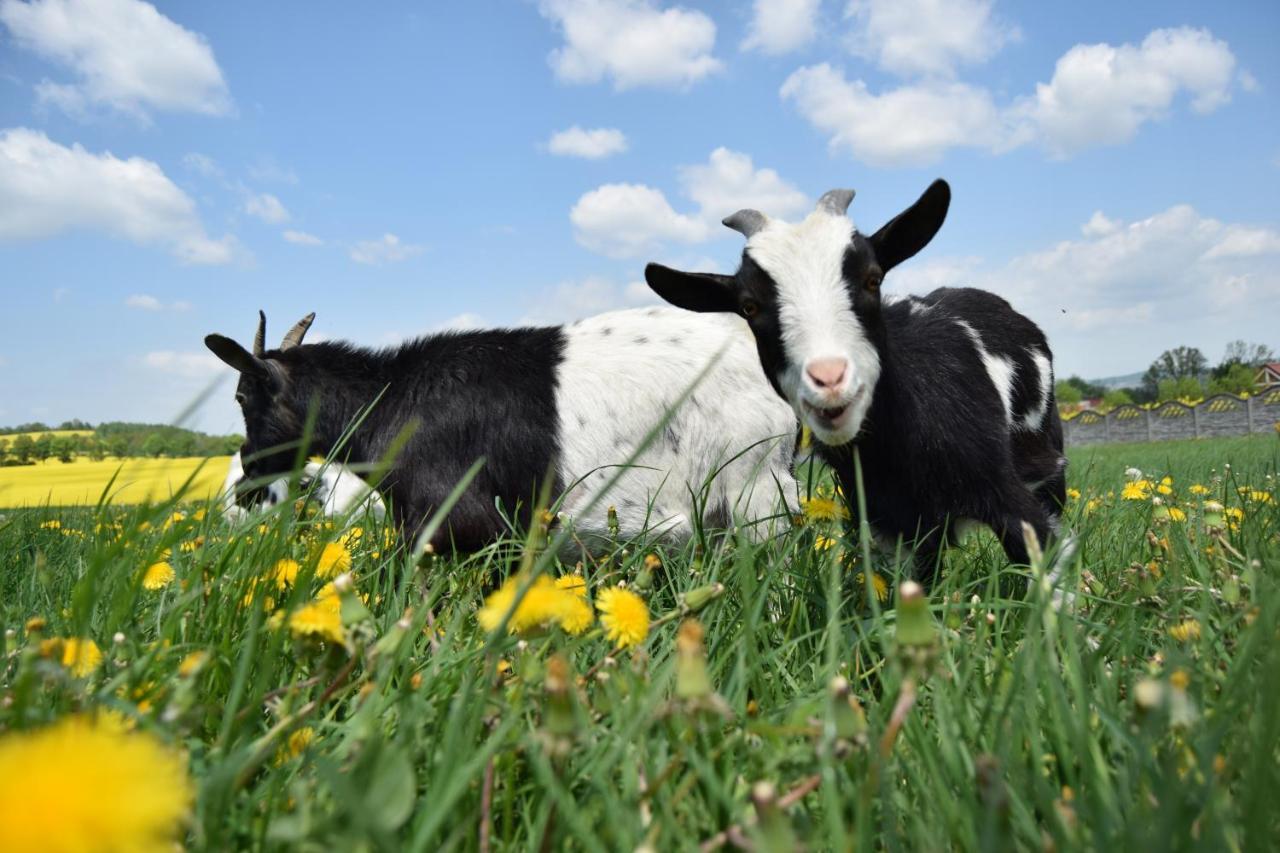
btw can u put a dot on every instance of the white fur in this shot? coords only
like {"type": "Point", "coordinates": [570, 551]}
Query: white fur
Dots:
{"type": "Point", "coordinates": [614, 389]}
{"type": "Point", "coordinates": [999, 369]}
{"type": "Point", "coordinates": [806, 262]}
{"type": "Point", "coordinates": [1044, 383]}
{"type": "Point", "coordinates": [341, 492]}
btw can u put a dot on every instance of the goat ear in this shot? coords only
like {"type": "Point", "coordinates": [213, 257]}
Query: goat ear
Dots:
{"type": "Point", "coordinates": [912, 229]}
{"type": "Point", "coordinates": [693, 291]}
{"type": "Point", "coordinates": [237, 356]}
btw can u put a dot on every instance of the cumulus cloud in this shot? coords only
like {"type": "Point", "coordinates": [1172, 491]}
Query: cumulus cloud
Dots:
{"type": "Point", "coordinates": [125, 55]}
{"type": "Point", "coordinates": [781, 26]}
{"type": "Point", "coordinates": [384, 250]}
{"type": "Point", "coordinates": [147, 302]}
{"type": "Point", "coordinates": [1102, 297]}
{"type": "Point", "coordinates": [912, 125]}
{"type": "Point", "coordinates": [1099, 95]}
{"type": "Point", "coordinates": [590, 144]}
{"type": "Point", "coordinates": [47, 188]}
{"type": "Point", "coordinates": [1102, 94]}
{"type": "Point", "coordinates": [266, 207]}
{"type": "Point", "coordinates": [302, 238]}
{"type": "Point", "coordinates": [627, 220]}
{"type": "Point", "coordinates": [925, 37]}
{"type": "Point", "coordinates": [202, 164]}
{"type": "Point", "coordinates": [192, 365]}
{"type": "Point", "coordinates": [574, 299]}
{"type": "Point", "coordinates": [634, 43]}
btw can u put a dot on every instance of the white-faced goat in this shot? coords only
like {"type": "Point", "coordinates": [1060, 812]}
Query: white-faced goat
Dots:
{"type": "Point", "coordinates": [338, 491]}
{"type": "Point", "coordinates": [571, 401]}
{"type": "Point", "coordinates": [948, 397]}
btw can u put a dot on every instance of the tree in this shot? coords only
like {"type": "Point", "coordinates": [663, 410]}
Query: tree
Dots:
{"type": "Point", "coordinates": [118, 446]}
{"type": "Point", "coordinates": [1117, 397]}
{"type": "Point", "coordinates": [4, 449]}
{"type": "Point", "coordinates": [96, 449]}
{"type": "Point", "coordinates": [1067, 394]}
{"type": "Point", "coordinates": [153, 446]}
{"type": "Point", "coordinates": [1177, 363]}
{"type": "Point", "coordinates": [1187, 387]}
{"type": "Point", "coordinates": [64, 449]}
{"type": "Point", "coordinates": [24, 447]}
{"type": "Point", "coordinates": [1249, 355]}
{"type": "Point", "coordinates": [1236, 379]}
{"type": "Point", "coordinates": [44, 447]}
{"type": "Point", "coordinates": [75, 423]}
{"type": "Point", "coordinates": [1087, 389]}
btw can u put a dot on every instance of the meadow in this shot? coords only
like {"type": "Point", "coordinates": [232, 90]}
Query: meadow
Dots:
{"type": "Point", "coordinates": [286, 683]}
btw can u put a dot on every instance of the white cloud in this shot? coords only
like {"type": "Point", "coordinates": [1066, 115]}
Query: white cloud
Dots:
{"type": "Point", "coordinates": [627, 220]}
{"type": "Point", "coordinates": [1100, 94]}
{"type": "Point", "coordinates": [1113, 298]}
{"type": "Point", "coordinates": [925, 37]}
{"type": "Point", "coordinates": [193, 365]}
{"type": "Point", "coordinates": [202, 163]}
{"type": "Point", "coordinates": [384, 250]}
{"type": "Point", "coordinates": [632, 42]}
{"type": "Point", "coordinates": [572, 300]}
{"type": "Point", "coordinates": [47, 188]}
{"type": "Point", "coordinates": [729, 181]}
{"type": "Point", "coordinates": [302, 238]}
{"type": "Point", "coordinates": [463, 322]}
{"type": "Point", "coordinates": [1099, 225]}
{"type": "Point", "coordinates": [147, 302]}
{"type": "Point", "coordinates": [590, 144]}
{"type": "Point", "coordinates": [266, 207]}
{"type": "Point", "coordinates": [909, 126]}
{"type": "Point", "coordinates": [781, 26]}
{"type": "Point", "coordinates": [126, 56]}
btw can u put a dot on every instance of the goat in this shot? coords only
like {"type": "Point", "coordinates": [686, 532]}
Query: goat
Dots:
{"type": "Point", "coordinates": [571, 401]}
{"type": "Point", "coordinates": [339, 490]}
{"type": "Point", "coordinates": [947, 397]}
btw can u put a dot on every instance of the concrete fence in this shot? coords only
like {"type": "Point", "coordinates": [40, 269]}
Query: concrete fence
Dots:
{"type": "Point", "coordinates": [1222, 414]}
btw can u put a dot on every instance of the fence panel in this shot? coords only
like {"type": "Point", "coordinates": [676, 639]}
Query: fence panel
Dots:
{"type": "Point", "coordinates": [1222, 414]}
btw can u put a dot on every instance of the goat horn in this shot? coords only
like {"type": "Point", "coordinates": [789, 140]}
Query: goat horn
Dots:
{"type": "Point", "coordinates": [836, 202]}
{"type": "Point", "coordinates": [260, 338]}
{"type": "Point", "coordinates": [746, 221]}
{"type": "Point", "coordinates": [294, 337]}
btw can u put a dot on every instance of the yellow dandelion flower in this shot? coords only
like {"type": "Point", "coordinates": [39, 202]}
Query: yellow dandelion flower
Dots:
{"type": "Point", "coordinates": [295, 745]}
{"type": "Point", "coordinates": [1198, 489]}
{"type": "Point", "coordinates": [1073, 494]}
{"type": "Point", "coordinates": [1259, 496]}
{"type": "Point", "coordinates": [577, 615]}
{"type": "Point", "coordinates": [351, 539]}
{"type": "Point", "coordinates": [87, 784]}
{"type": "Point", "coordinates": [824, 543]}
{"type": "Point", "coordinates": [1138, 490]}
{"type": "Point", "coordinates": [81, 656]}
{"type": "Point", "coordinates": [191, 545]}
{"type": "Point", "coordinates": [878, 585]}
{"type": "Point", "coordinates": [575, 584]}
{"type": "Point", "coordinates": [1091, 505]}
{"type": "Point", "coordinates": [284, 573]}
{"type": "Point", "coordinates": [624, 615]}
{"type": "Point", "coordinates": [1186, 630]}
{"type": "Point", "coordinates": [545, 604]}
{"type": "Point", "coordinates": [824, 509]}
{"type": "Point", "coordinates": [1177, 514]}
{"type": "Point", "coordinates": [334, 560]}
{"type": "Point", "coordinates": [192, 663]}
{"type": "Point", "coordinates": [1164, 489]}
{"type": "Point", "coordinates": [1234, 512]}
{"type": "Point", "coordinates": [51, 524]}
{"type": "Point", "coordinates": [35, 625]}
{"type": "Point", "coordinates": [321, 619]}
{"type": "Point", "coordinates": [158, 576]}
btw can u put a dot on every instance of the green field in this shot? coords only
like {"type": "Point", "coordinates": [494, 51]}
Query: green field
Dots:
{"type": "Point", "coordinates": [387, 718]}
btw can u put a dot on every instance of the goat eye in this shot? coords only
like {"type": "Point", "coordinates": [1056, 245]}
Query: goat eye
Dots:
{"type": "Point", "coordinates": [240, 398]}
{"type": "Point", "coordinates": [873, 282]}
{"type": "Point", "coordinates": [750, 308]}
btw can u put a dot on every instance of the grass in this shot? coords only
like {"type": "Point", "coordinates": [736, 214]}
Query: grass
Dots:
{"type": "Point", "coordinates": [132, 481]}
{"type": "Point", "coordinates": [1146, 717]}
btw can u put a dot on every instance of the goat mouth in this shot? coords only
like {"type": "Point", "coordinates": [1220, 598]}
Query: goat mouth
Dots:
{"type": "Point", "coordinates": [827, 415]}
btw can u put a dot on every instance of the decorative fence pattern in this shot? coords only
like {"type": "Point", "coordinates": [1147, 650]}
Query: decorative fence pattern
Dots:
{"type": "Point", "coordinates": [1223, 414]}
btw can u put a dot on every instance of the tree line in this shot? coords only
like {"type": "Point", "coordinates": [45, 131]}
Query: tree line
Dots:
{"type": "Point", "coordinates": [26, 444]}
{"type": "Point", "coordinates": [1179, 373]}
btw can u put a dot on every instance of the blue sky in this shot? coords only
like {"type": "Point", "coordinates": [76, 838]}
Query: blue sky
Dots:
{"type": "Point", "coordinates": [398, 168]}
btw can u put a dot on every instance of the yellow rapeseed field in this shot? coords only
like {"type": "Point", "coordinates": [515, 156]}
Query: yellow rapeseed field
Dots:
{"type": "Point", "coordinates": [56, 433]}
{"type": "Point", "coordinates": [81, 482]}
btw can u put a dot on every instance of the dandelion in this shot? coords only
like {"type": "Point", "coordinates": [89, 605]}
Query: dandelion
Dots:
{"type": "Point", "coordinates": [321, 619]}
{"type": "Point", "coordinates": [1198, 489]}
{"type": "Point", "coordinates": [334, 560]}
{"type": "Point", "coordinates": [824, 543]}
{"type": "Point", "coordinates": [81, 656]}
{"type": "Point", "coordinates": [1136, 490]}
{"type": "Point", "coordinates": [51, 524]}
{"type": "Point", "coordinates": [1259, 496]}
{"type": "Point", "coordinates": [295, 745]}
{"type": "Point", "coordinates": [824, 509]}
{"type": "Point", "coordinates": [1186, 631]}
{"type": "Point", "coordinates": [1132, 474]}
{"type": "Point", "coordinates": [192, 663]}
{"type": "Point", "coordinates": [545, 604]}
{"type": "Point", "coordinates": [575, 584]}
{"type": "Point", "coordinates": [284, 573]}
{"type": "Point", "coordinates": [158, 576]}
{"type": "Point", "coordinates": [624, 615]}
{"type": "Point", "coordinates": [1073, 494]}
{"type": "Point", "coordinates": [87, 784]}
{"type": "Point", "coordinates": [878, 585]}
{"type": "Point", "coordinates": [1177, 514]}
{"type": "Point", "coordinates": [1091, 505]}
{"type": "Point", "coordinates": [351, 539]}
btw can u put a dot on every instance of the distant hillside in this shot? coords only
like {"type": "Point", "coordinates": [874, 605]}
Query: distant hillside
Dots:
{"type": "Point", "coordinates": [27, 443]}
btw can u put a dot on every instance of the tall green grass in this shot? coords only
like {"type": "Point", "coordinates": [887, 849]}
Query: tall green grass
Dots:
{"type": "Point", "coordinates": [1146, 714]}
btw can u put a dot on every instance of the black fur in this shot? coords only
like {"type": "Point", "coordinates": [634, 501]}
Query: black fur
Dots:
{"type": "Point", "coordinates": [467, 395]}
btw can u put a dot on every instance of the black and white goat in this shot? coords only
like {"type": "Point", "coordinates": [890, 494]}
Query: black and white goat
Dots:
{"type": "Point", "coordinates": [339, 492]}
{"type": "Point", "coordinates": [574, 401]}
{"type": "Point", "coordinates": [948, 397]}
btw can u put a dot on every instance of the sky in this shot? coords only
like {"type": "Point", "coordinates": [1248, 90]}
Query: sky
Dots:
{"type": "Point", "coordinates": [168, 170]}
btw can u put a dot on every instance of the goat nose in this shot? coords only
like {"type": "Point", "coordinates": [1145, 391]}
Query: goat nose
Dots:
{"type": "Point", "coordinates": [827, 372]}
